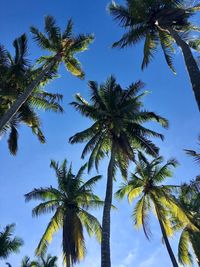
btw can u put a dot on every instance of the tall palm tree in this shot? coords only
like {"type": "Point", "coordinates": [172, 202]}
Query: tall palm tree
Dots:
{"type": "Point", "coordinates": [63, 47]}
{"type": "Point", "coordinates": [14, 71]}
{"type": "Point", "coordinates": [189, 197]}
{"type": "Point", "coordinates": [190, 238]}
{"type": "Point", "coordinates": [159, 22]}
{"type": "Point", "coordinates": [145, 184]}
{"type": "Point", "coordinates": [8, 243]}
{"type": "Point", "coordinates": [70, 203]}
{"type": "Point", "coordinates": [118, 116]}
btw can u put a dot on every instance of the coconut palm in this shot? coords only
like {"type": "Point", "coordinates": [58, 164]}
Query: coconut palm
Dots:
{"type": "Point", "coordinates": [189, 238]}
{"type": "Point", "coordinates": [48, 261]}
{"type": "Point", "coordinates": [70, 203]}
{"type": "Point", "coordinates": [117, 130]}
{"type": "Point", "coordinates": [159, 22]}
{"type": "Point", "coordinates": [189, 197]}
{"type": "Point", "coordinates": [8, 243]}
{"type": "Point", "coordinates": [14, 71]}
{"type": "Point", "coordinates": [145, 184]}
{"type": "Point", "coordinates": [63, 47]}
{"type": "Point", "coordinates": [26, 262]}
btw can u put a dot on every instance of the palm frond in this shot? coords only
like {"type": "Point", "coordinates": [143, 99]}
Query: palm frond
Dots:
{"type": "Point", "coordinates": [184, 256]}
{"type": "Point", "coordinates": [53, 226]}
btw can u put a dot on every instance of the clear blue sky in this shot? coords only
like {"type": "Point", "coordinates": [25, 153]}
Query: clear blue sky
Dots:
{"type": "Point", "coordinates": [171, 96]}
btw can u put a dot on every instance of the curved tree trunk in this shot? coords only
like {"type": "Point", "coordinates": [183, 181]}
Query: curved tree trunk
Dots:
{"type": "Point", "coordinates": [24, 96]}
{"type": "Point", "coordinates": [105, 244]}
{"type": "Point", "coordinates": [169, 249]}
{"type": "Point", "coordinates": [191, 64]}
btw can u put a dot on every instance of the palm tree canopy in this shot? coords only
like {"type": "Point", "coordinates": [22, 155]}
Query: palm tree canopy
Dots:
{"type": "Point", "coordinates": [118, 115]}
{"type": "Point", "coordinates": [149, 20]}
{"type": "Point", "coordinates": [146, 183]}
{"type": "Point", "coordinates": [17, 73]}
{"type": "Point", "coordinates": [70, 203]}
{"type": "Point", "coordinates": [63, 45]}
{"type": "Point", "coordinates": [26, 262]}
{"type": "Point", "coordinates": [193, 153]}
{"type": "Point", "coordinates": [46, 261]}
{"type": "Point", "coordinates": [8, 243]}
{"type": "Point", "coordinates": [189, 197]}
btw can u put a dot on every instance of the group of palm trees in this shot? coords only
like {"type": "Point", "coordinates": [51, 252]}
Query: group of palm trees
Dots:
{"type": "Point", "coordinates": [117, 131]}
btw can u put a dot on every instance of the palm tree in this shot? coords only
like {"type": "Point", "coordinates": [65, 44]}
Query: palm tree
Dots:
{"type": "Point", "coordinates": [26, 262]}
{"type": "Point", "coordinates": [14, 71]}
{"type": "Point", "coordinates": [70, 203]}
{"type": "Point", "coordinates": [145, 185]}
{"type": "Point", "coordinates": [9, 244]}
{"type": "Point", "coordinates": [118, 117]}
{"type": "Point", "coordinates": [159, 22]}
{"type": "Point", "coordinates": [189, 197]}
{"type": "Point", "coordinates": [48, 261]}
{"type": "Point", "coordinates": [63, 47]}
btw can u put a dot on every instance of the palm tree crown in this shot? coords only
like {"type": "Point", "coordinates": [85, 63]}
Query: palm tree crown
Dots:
{"type": "Point", "coordinates": [16, 74]}
{"type": "Point", "coordinates": [189, 197]}
{"type": "Point", "coordinates": [118, 116]}
{"type": "Point", "coordinates": [48, 261]}
{"type": "Point", "coordinates": [9, 244]}
{"type": "Point", "coordinates": [70, 203]}
{"type": "Point", "coordinates": [145, 184]}
{"type": "Point", "coordinates": [63, 47]}
{"type": "Point", "coordinates": [158, 23]}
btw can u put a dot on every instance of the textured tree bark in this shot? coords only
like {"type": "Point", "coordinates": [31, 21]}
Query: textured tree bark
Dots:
{"type": "Point", "coordinates": [191, 64]}
{"type": "Point", "coordinates": [105, 244]}
{"type": "Point", "coordinates": [24, 96]}
{"type": "Point", "coordinates": [169, 249]}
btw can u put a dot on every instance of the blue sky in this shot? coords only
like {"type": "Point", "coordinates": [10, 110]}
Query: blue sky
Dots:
{"type": "Point", "coordinates": [170, 96]}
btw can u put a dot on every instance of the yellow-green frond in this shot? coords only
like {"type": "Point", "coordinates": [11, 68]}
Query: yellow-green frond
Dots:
{"type": "Point", "coordinates": [184, 256]}
{"type": "Point", "coordinates": [52, 227]}
{"type": "Point", "coordinates": [135, 192]}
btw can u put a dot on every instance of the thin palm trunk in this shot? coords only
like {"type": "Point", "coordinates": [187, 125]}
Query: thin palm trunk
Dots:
{"type": "Point", "coordinates": [169, 249]}
{"type": "Point", "coordinates": [24, 96]}
{"type": "Point", "coordinates": [191, 64]}
{"type": "Point", "coordinates": [68, 262]}
{"type": "Point", "coordinates": [105, 244]}
{"type": "Point", "coordinates": [67, 232]}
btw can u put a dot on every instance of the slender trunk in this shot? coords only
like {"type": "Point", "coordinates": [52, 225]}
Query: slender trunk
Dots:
{"type": "Point", "coordinates": [191, 64]}
{"type": "Point", "coordinates": [24, 96]}
{"type": "Point", "coordinates": [67, 232]}
{"type": "Point", "coordinates": [105, 244]}
{"type": "Point", "coordinates": [68, 264]}
{"type": "Point", "coordinates": [169, 249]}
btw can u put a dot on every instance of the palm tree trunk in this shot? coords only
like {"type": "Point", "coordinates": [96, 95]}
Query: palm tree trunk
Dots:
{"type": "Point", "coordinates": [105, 244]}
{"type": "Point", "coordinates": [169, 249]}
{"type": "Point", "coordinates": [68, 264]}
{"type": "Point", "coordinates": [24, 96]}
{"type": "Point", "coordinates": [191, 64]}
